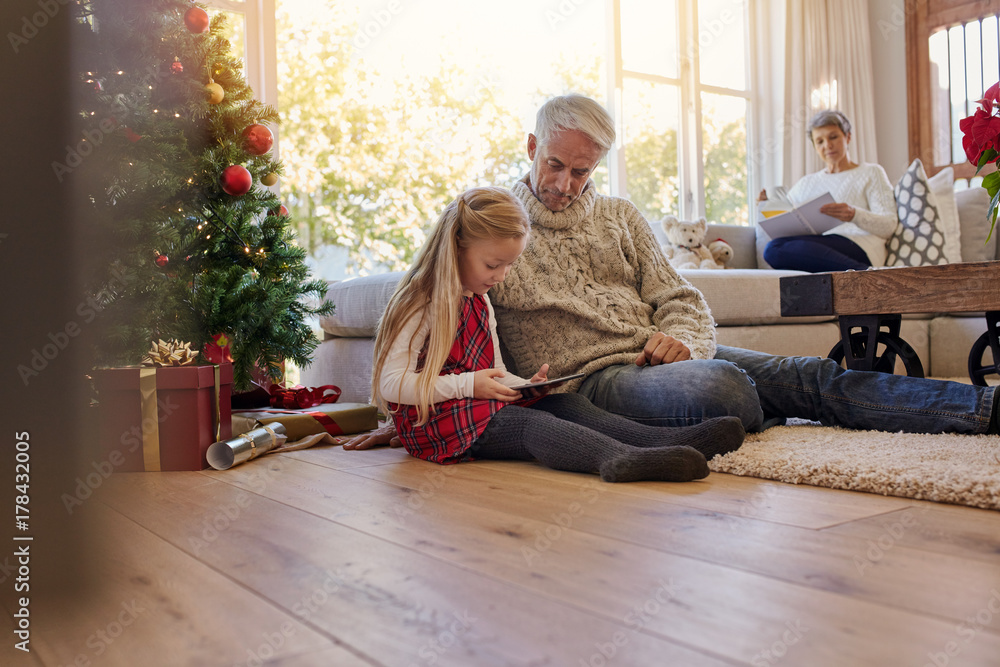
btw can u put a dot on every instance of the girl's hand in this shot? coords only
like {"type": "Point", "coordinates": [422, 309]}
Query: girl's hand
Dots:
{"type": "Point", "coordinates": [762, 196]}
{"type": "Point", "coordinates": [843, 212]}
{"type": "Point", "coordinates": [385, 435]}
{"type": "Point", "coordinates": [487, 387]}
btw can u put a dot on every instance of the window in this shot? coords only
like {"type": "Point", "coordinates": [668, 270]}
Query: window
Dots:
{"type": "Point", "coordinates": [250, 31]}
{"type": "Point", "coordinates": [681, 87]}
{"type": "Point", "coordinates": [952, 58]}
{"type": "Point", "coordinates": [388, 111]}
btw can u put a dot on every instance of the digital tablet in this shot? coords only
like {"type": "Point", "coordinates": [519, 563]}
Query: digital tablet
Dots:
{"type": "Point", "coordinates": [548, 382]}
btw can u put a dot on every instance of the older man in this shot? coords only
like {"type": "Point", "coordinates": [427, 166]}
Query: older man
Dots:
{"type": "Point", "coordinates": [593, 293]}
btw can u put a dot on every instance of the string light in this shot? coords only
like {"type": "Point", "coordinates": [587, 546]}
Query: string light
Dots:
{"type": "Point", "coordinates": [246, 250]}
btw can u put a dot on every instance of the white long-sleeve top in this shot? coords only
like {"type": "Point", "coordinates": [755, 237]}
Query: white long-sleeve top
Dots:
{"type": "Point", "coordinates": [867, 189]}
{"type": "Point", "coordinates": [398, 382]}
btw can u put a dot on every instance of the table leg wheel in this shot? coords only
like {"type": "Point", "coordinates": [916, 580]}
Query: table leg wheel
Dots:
{"type": "Point", "coordinates": [978, 368]}
{"type": "Point", "coordinates": [891, 346]}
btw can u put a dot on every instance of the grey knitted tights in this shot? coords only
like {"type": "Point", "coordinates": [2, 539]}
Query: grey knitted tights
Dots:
{"type": "Point", "coordinates": [568, 432]}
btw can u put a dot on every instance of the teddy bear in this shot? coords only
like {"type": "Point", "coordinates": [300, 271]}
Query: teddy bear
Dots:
{"type": "Point", "coordinates": [687, 249]}
{"type": "Point", "coordinates": [722, 252]}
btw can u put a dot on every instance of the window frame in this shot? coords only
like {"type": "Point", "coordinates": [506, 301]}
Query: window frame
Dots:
{"type": "Point", "coordinates": [923, 18]}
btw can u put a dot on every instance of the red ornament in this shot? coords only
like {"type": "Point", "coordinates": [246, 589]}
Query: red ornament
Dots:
{"type": "Point", "coordinates": [236, 180]}
{"type": "Point", "coordinates": [281, 210]}
{"type": "Point", "coordinates": [162, 261]}
{"type": "Point", "coordinates": [132, 136]}
{"type": "Point", "coordinates": [176, 67]}
{"type": "Point", "coordinates": [257, 139]}
{"type": "Point", "coordinates": [218, 350]}
{"type": "Point", "coordinates": [196, 20]}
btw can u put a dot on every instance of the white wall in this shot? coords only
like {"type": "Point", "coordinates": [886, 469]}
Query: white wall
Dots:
{"type": "Point", "coordinates": [888, 36]}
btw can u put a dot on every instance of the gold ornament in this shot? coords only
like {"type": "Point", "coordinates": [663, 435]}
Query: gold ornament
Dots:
{"type": "Point", "coordinates": [215, 92]}
{"type": "Point", "coordinates": [269, 179]}
{"type": "Point", "coordinates": [170, 353]}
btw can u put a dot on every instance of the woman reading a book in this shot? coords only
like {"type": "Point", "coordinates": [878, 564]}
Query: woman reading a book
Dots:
{"type": "Point", "coordinates": [865, 204]}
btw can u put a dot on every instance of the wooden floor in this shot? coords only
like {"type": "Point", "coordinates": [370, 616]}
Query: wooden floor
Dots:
{"type": "Point", "coordinates": [326, 557]}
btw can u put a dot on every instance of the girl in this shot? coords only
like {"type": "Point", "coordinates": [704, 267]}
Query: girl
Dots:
{"type": "Point", "coordinates": [438, 370]}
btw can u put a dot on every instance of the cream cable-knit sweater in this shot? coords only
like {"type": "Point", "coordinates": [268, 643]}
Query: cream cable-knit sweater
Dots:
{"type": "Point", "coordinates": [591, 288]}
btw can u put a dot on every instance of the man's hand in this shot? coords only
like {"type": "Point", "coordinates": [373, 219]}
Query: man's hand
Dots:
{"type": "Point", "coordinates": [487, 387]}
{"type": "Point", "coordinates": [541, 376]}
{"type": "Point", "coordinates": [662, 349]}
{"type": "Point", "coordinates": [385, 435]}
{"type": "Point", "coordinates": [843, 212]}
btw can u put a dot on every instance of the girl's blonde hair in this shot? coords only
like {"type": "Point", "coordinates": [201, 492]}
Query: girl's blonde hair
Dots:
{"type": "Point", "coordinates": [431, 289]}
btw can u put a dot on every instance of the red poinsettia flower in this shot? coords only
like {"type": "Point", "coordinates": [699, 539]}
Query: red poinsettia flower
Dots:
{"type": "Point", "coordinates": [992, 95]}
{"type": "Point", "coordinates": [981, 130]}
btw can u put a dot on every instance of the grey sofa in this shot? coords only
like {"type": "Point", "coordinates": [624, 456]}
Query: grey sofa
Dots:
{"type": "Point", "coordinates": [744, 300]}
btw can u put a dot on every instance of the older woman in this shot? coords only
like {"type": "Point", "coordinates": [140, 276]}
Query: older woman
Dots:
{"type": "Point", "coordinates": [865, 203]}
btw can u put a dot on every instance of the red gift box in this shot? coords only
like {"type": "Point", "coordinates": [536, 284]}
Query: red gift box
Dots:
{"type": "Point", "coordinates": [163, 418]}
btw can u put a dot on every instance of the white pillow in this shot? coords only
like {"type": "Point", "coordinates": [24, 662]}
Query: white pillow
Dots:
{"type": "Point", "coordinates": [943, 186]}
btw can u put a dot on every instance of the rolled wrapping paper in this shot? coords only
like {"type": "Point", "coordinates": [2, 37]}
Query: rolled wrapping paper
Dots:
{"type": "Point", "coordinates": [225, 454]}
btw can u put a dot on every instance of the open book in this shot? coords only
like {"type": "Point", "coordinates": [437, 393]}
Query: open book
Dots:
{"type": "Point", "coordinates": [801, 220]}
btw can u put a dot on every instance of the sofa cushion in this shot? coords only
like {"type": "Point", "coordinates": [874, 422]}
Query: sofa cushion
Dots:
{"type": "Point", "coordinates": [919, 238]}
{"type": "Point", "coordinates": [359, 303]}
{"type": "Point", "coordinates": [744, 296]}
{"type": "Point", "coordinates": [973, 215]}
{"type": "Point", "coordinates": [742, 239]}
{"type": "Point", "coordinates": [943, 186]}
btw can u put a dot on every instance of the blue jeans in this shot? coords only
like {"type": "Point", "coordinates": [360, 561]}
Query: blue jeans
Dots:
{"type": "Point", "coordinates": [816, 253]}
{"type": "Point", "coordinates": [764, 389]}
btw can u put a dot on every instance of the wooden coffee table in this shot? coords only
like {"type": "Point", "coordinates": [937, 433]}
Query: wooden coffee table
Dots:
{"type": "Point", "coordinates": [869, 305]}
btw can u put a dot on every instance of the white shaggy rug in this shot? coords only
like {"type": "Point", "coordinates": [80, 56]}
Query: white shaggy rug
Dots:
{"type": "Point", "coordinates": [960, 469]}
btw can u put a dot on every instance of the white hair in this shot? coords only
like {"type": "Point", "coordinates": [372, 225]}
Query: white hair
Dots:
{"type": "Point", "coordinates": [575, 112]}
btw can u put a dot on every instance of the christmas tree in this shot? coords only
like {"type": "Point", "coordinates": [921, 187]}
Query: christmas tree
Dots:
{"type": "Point", "coordinates": [174, 157]}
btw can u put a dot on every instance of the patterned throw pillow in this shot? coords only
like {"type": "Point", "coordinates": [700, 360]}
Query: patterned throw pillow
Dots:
{"type": "Point", "coordinates": [918, 240]}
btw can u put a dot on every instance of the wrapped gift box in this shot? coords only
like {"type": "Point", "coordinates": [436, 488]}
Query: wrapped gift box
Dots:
{"type": "Point", "coordinates": [333, 418]}
{"type": "Point", "coordinates": [163, 418]}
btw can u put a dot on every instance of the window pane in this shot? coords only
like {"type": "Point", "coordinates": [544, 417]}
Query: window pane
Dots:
{"type": "Point", "coordinates": [650, 38]}
{"type": "Point", "coordinates": [940, 104]}
{"type": "Point", "coordinates": [236, 32]}
{"type": "Point", "coordinates": [722, 44]}
{"type": "Point", "coordinates": [724, 135]}
{"type": "Point", "coordinates": [973, 65]}
{"type": "Point", "coordinates": [956, 52]}
{"type": "Point", "coordinates": [388, 112]}
{"type": "Point", "coordinates": [652, 116]}
{"type": "Point", "coordinates": [991, 63]}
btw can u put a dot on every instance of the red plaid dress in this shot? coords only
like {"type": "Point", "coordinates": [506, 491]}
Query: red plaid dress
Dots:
{"type": "Point", "coordinates": [455, 424]}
